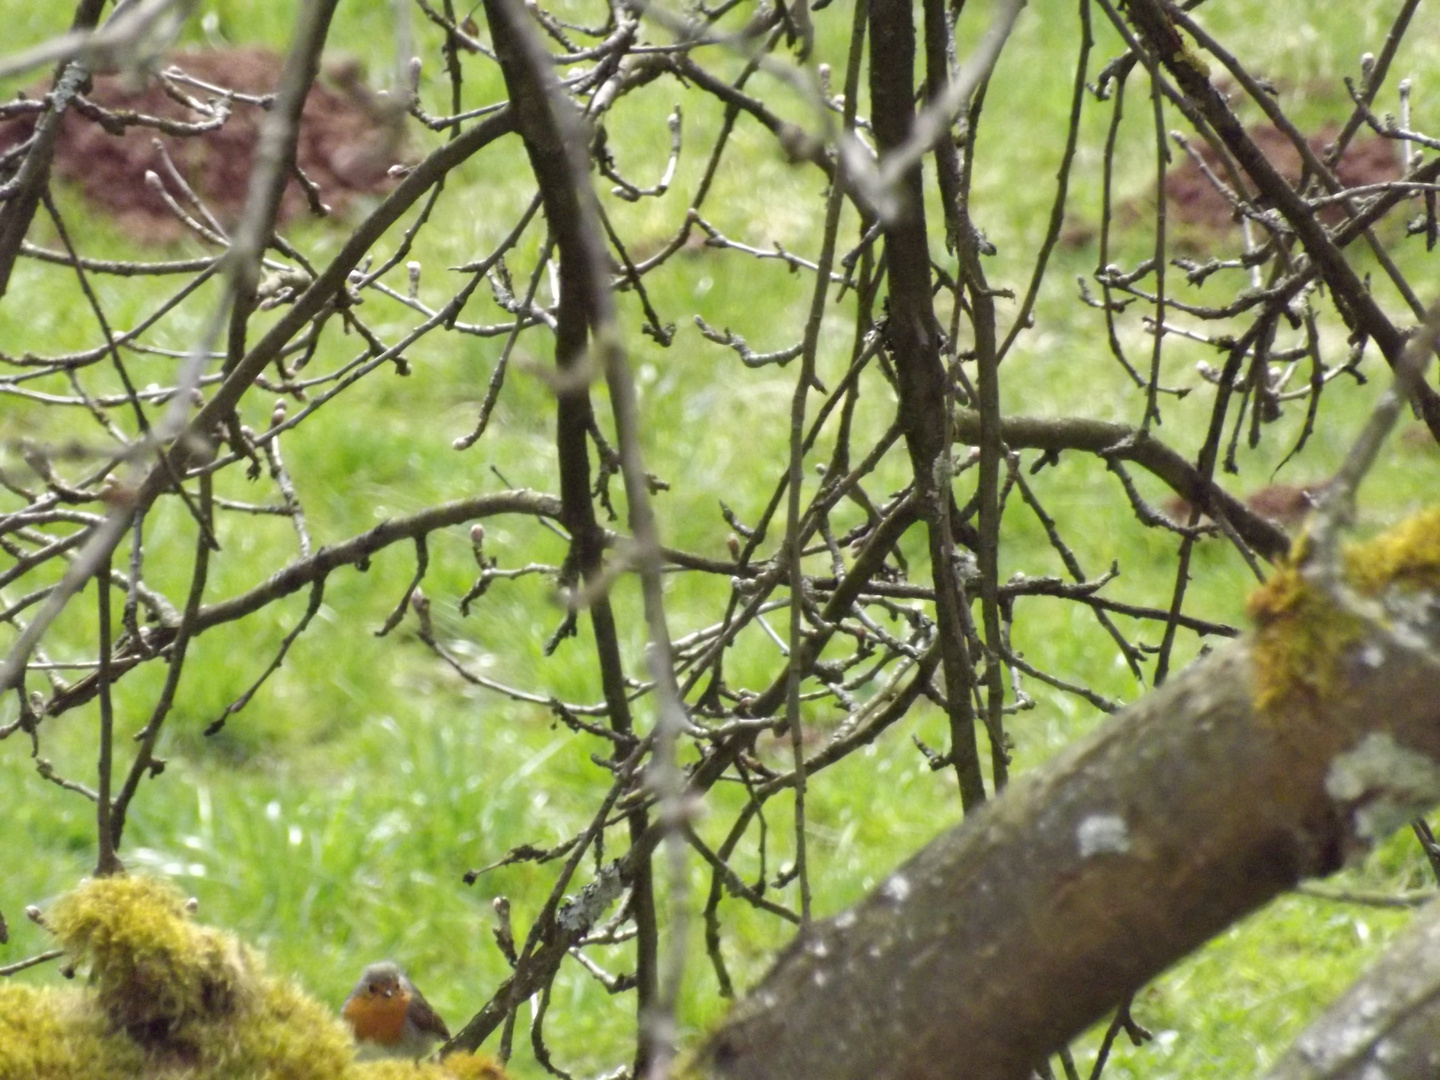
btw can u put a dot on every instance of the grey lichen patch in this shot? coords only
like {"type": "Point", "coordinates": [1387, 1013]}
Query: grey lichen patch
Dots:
{"type": "Point", "coordinates": [578, 914]}
{"type": "Point", "coordinates": [1328, 1046]}
{"type": "Point", "coordinates": [897, 888]}
{"type": "Point", "coordinates": [1383, 784]}
{"type": "Point", "coordinates": [1102, 834]}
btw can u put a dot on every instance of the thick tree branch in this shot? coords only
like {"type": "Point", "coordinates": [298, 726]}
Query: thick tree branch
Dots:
{"type": "Point", "coordinates": [1012, 933]}
{"type": "Point", "coordinates": [1124, 443]}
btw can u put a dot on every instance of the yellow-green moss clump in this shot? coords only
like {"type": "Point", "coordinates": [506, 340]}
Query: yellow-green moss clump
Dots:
{"type": "Point", "coordinates": [162, 979]}
{"type": "Point", "coordinates": [454, 1067]}
{"type": "Point", "coordinates": [1300, 633]}
{"type": "Point", "coordinates": [55, 1034]}
{"type": "Point", "coordinates": [1407, 556]}
{"type": "Point", "coordinates": [166, 997]}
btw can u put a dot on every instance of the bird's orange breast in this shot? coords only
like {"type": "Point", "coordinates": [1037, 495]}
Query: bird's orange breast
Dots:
{"type": "Point", "coordinates": [377, 1018]}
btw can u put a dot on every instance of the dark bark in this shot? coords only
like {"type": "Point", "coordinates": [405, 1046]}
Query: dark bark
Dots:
{"type": "Point", "coordinates": [557, 152]}
{"type": "Point", "coordinates": [1124, 443]}
{"type": "Point", "coordinates": [912, 336]}
{"type": "Point", "coordinates": [18, 211]}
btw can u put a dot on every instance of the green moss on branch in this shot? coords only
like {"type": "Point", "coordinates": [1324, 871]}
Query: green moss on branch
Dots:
{"type": "Point", "coordinates": [1301, 633]}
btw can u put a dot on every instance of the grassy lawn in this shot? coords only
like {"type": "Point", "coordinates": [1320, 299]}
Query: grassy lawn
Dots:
{"type": "Point", "coordinates": [331, 821]}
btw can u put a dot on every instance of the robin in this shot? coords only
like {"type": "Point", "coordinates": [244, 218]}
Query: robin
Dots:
{"type": "Point", "coordinates": [390, 1018]}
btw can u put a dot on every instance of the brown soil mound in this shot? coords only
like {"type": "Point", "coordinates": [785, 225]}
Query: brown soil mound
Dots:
{"type": "Point", "coordinates": [1192, 198]}
{"type": "Point", "coordinates": [344, 147]}
{"type": "Point", "coordinates": [1204, 214]}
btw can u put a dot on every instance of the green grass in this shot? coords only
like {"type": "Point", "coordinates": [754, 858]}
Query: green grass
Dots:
{"type": "Point", "coordinates": [331, 821]}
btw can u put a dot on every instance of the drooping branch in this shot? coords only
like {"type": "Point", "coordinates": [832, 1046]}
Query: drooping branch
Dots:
{"type": "Point", "coordinates": [306, 572]}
